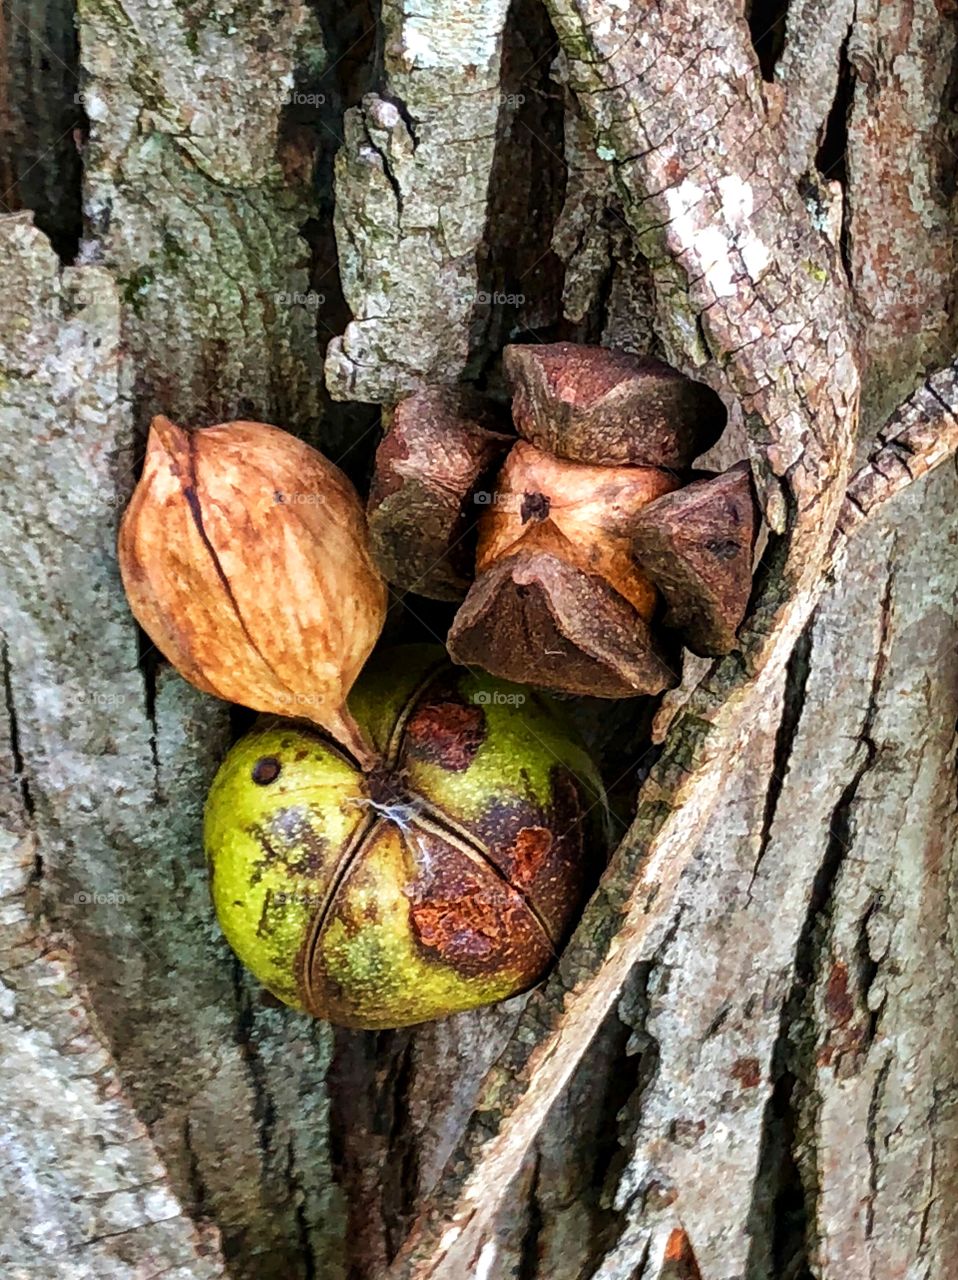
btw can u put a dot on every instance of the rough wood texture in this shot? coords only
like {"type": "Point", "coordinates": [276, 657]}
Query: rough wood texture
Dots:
{"type": "Point", "coordinates": [194, 196]}
{"type": "Point", "coordinates": [116, 762]}
{"type": "Point", "coordinates": [788, 993]}
{"type": "Point", "coordinates": [809, 71]}
{"type": "Point", "coordinates": [899, 213]}
{"type": "Point", "coordinates": [412, 186]}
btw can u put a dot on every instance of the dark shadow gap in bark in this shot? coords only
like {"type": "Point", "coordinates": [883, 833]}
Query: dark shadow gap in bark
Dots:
{"type": "Point", "coordinates": [311, 133]}
{"type": "Point", "coordinates": [16, 754]}
{"type": "Point", "coordinates": [303, 1230]}
{"type": "Point", "coordinates": [401, 1173]}
{"type": "Point", "coordinates": [148, 660]}
{"type": "Point", "coordinates": [368, 1083]}
{"type": "Point", "coordinates": [519, 274]}
{"type": "Point", "coordinates": [766, 21]}
{"type": "Point", "coordinates": [196, 1185]}
{"type": "Point", "coordinates": [528, 1261]}
{"type": "Point", "coordinates": [831, 159]}
{"type": "Point", "coordinates": [796, 680]}
{"type": "Point", "coordinates": [637, 1053]}
{"type": "Point", "coordinates": [264, 1108]}
{"type": "Point", "coordinates": [945, 137]}
{"type": "Point", "coordinates": [782, 1216]}
{"type": "Point", "coordinates": [778, 1218]}
{"type": "Point", "coordinates": [302, 1226]}
{"type": "Point", "coordinates": [639, 1061]}
{"type": "Point", "coordinates": [599, 315]}
{"type": "Point", "coordinates": [42, 121]}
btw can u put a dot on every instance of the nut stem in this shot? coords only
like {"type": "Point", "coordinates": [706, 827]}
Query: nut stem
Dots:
{"type": "Point", "coordinates": [346, 731]}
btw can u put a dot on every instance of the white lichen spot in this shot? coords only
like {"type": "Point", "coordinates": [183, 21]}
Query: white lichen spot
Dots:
{"type": "Point", "coordinates": [94, 106]}
{"type": "Point", "coordinates": [738, 202]}
{"type": "Point", "coordinates": [737, 199]}
{"type": "Point", "coordinates": [755, 256]}
{"type": "Point", "coordinates": [486, 1258]}
{"type": "Point", "coordinates": [706, 246]}
{"type": "Point", "coordinates": [450, 1237]}
{"type": "Point", "coordinates": [8, 1001]}
{"type": "Point", "coordinates": [605, 153]}
{"type": "Point", "coordinates": [455, 36]}
{"type": "Point", "coordinates": [417, 47]}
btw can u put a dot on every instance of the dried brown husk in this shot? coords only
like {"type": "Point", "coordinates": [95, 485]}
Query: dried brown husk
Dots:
{"type": "Point", "coordinates": [558, 600]}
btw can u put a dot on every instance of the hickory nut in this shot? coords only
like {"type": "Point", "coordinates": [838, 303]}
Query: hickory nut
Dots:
{"type": "Point", "coordinates": [441, 444]}
{"type": "Point", "coordinates": [244, 558]}
{"type": "Point", "coordinates": [446, 878]}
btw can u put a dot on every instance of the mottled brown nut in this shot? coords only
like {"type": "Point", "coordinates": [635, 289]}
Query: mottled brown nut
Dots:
{"type": "Point", "coordinates": [245, 558]}
{"type": "Point", "coordinates": [439, 449]}
{"type": "Point", "coordinates": [696, 546]}
{"type": "Point", "coordinates": [609, 408]}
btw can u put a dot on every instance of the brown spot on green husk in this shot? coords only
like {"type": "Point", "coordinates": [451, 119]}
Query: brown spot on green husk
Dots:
{"type": "Point", "coordinates": [528, 853]}
{"type": "Point", "coordinates": [465, 915]}
{"type": "Point", "coordinates": [291, 841]}
{"type": "Point", "coordinates": [446, 733]}
{"type": "Point", "coordinates": [551, 873]}
{"type": "Point", "coordinates": [463, 928]}
{"type": "Point", "coordinates": [266, 770]}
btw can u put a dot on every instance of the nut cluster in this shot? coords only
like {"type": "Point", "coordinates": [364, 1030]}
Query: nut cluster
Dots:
{"type": "Point", "coordinates": [585, 551]}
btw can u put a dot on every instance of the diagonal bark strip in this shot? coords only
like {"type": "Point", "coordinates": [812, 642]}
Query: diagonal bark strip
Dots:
{"type": "Point", "coordinates": [744, 278]}
{"type": "Point", "coordinates": [920, 435]}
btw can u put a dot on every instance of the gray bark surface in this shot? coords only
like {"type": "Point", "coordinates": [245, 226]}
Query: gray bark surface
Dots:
{"type": "Point", "coordinates": [744, 1067]}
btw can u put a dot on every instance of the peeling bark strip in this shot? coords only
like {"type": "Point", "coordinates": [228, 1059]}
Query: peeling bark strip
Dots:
{"type": "Point", "coordinates": [775, 317]}
{"type": "Point", "coordinates": [809, 68]}
{"type": "Point", "coordinates": [412, 190]}
{"type": "Point", "coordinates": [920, 435]}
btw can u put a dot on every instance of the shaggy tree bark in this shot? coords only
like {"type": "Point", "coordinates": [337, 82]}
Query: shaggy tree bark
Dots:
{"type": "Point", "coordinates": [744, 1066]}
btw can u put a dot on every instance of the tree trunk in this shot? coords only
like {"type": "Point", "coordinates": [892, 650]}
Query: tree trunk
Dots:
{"type": "Point", "coordinates": [743, 1067]}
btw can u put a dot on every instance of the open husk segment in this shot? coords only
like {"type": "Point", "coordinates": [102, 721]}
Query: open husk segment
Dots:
{"type": "Point", "coordinates": [558, 600]}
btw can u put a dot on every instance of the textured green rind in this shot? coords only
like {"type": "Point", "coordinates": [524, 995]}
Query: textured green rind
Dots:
{"type": "Point", "coordinates": [275, 851]}
{"type": "Point", "coordinates": [526, 739]}
{"type": "Point", "coordinates": [377, 974]}
{"type": "Point", "coordinates": [265, 898]}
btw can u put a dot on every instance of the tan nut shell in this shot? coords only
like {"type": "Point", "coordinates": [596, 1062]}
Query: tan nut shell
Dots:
{"type": "Point", "coordinates": [244, 555]}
